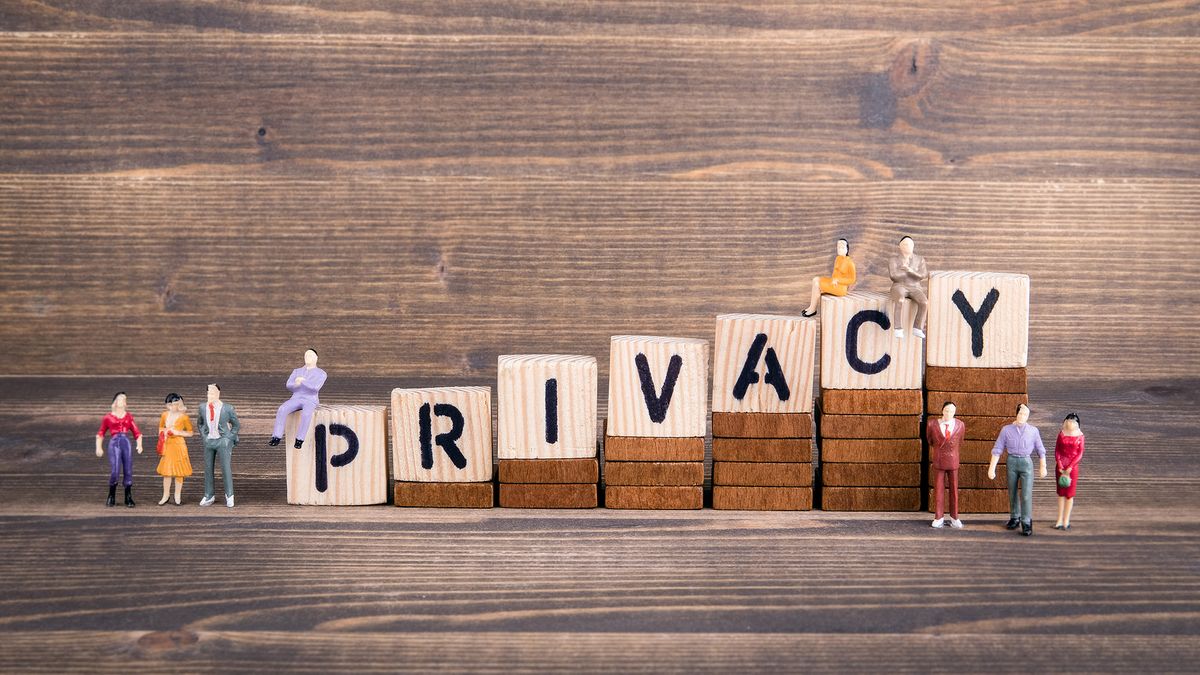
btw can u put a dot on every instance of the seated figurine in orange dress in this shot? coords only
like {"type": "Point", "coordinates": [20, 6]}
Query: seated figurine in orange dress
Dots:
{"type": "Point", "coordinates": [844, 276]}
{"type": "Point", "coordinates": [173, 427]}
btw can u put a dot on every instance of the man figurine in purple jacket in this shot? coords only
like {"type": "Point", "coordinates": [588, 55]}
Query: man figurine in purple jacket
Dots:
{"type": "Point", "coordinates": [1020, 439]}
{"type": "Point", "coordinates": [304, 383]}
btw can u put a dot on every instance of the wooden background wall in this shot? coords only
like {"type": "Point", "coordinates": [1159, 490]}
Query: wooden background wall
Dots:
{"type": "Point", "coordinates": [210, 187]}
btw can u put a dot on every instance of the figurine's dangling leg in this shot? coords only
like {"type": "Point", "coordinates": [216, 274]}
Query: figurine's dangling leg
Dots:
{"type": "Point", "coordinates": [286, 408]}
{"type": "Point", "coordinates": [166, 490]}
{"type": "Point", "coordinates": [306, 413]}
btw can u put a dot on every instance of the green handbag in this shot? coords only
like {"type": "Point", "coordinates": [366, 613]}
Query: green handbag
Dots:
{"type": "Point", "coordinates": [1064, 481]}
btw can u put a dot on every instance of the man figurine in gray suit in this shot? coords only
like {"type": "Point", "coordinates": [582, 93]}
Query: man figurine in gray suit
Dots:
{"type": "Point", "coordinates": [907, 271]}
{"type": "Point", "coordinates": [218, 425]}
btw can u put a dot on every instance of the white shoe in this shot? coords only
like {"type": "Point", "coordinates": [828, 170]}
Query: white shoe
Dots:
{"type": "Point", "coordinates": [956, 523]}
{"type": "Point", "coordinates": [919, 333]}
{"type": "Point", "coordinates": [207, 501]}
{"type": "Point", "coordinates": [229, 501]}
{"type": "Point", "coordinates": [899, 333]}
{"type": "Point", "coordinates": [940, 522]}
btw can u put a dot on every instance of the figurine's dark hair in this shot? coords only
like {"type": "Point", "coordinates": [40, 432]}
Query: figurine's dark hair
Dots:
{"type": "Point", "coordinates": [172, 397]}
{"type": "Point", "coordinates": [1072, 416]}
{"type": "Point", "coordinates": [119, 393]}
{"type": "Point", "coordinates": [847, 244]}
{"type": "Point", "coordinates": [1021, 405]}
{"type": "Point", "coordinates": [214, 384]}
{"type": "Point", "coordinates": [314, 351]}
{"type": "Point", "coordinates": [948, 403]}
{"type": "Point", "coordinates": [906, 237]}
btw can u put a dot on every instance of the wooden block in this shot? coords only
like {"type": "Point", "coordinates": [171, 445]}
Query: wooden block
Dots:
{"type": "Point", "coordinates": [872, 401]}
{"type": "Point", "coordinates": [858, 349]}
{"type": "Point", "coordinates": [657, 387]}
{"type": "Point", "coordinates": [343, 460]}
{"type": "Point", "coordinates": [762, 498]}
{"type": "Point", "coordinates": [876, 450]}
{"type": "Point", "coordinates": [975, 476]}
{"type": "Point", "coordinates": [762, 449]}
{"type": "Point", "coordinates": [548, 496]}
{"type": "Point", "coordinates": [764, 363]}
{"type": "Point", "coordinates": [978, 452]}
{"type": "Point", "coordinates": [545, 406]}
{"type": "Point", "coordinates": [634, 449]}
{"type": "Point", "coordinates": [870, 426]}
{"type": "Point", "coordinates": [442, 434]}
{"type": "Point", "coordinates": [870, 499]}
{"type": "Point", "coordinates": [988, 405]}
{"type": "Point", "coordinates": [654, 497]}
{"type": "Point", "coordinates": [762, 425]}
{"type": "Point", "coordinates": [444, 495]}
{"type": "Point", "coordinates": [976, 501]}
{"type": "Point", "coordinates": [984, 428]}
{"type": "Point", "coordinates": [653, 473]}
{"type": "Point", "coordinates": [870, 475]}
{"type": "Point", "coordinates": [549, 471]}
{"type": "Point", "coordinates": [984, 380]}
{"type": "Point", "coordinates": [763, 474]}
{"type": "Point", "coordinates": [998, 306]}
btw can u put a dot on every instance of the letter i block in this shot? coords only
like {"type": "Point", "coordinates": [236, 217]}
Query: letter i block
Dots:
{"type": "Point", "coordinates": [764, 364]}
{"type": "Point", "coordinates": [858, 348]}
{"type": "Point", "coordinates": [546, 406]}
{"type": "Point", "coordinates": [442, 434]}
{"type": "Point", "coordinates": [343, 460]}
{"type": "Point", "coordinates": [657, 387]}
{"type": "Point", "coordinates": [978, 320]}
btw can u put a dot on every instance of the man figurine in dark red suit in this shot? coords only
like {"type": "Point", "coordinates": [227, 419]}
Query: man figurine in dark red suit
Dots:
{"type": "Point", "coordinates": [945, 435]}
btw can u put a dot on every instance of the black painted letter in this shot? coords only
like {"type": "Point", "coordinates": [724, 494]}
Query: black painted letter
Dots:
{"type": "Point", "coordinates": [976, 319]}
{"type": "Point", "coordinates": [856, 322]}
{"type": "Point", "coordinates": [657, 405]}
{"type": "Point", "coordinates": [444, 441]}
{"type": "Point", "coordinates": [338, 460]}
{"type": "Point", "coordinates": [749, 374]}
{"type": "Point", "coordinates": [552, 410]}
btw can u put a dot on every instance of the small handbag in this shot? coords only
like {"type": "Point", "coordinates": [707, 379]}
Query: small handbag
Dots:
{"type": "Point", "coordinates": [1064, 481]}
{"type": "Point", "coordinates": [162, 439]}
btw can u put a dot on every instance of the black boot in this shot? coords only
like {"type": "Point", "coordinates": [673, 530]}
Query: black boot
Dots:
{"type": "Point", "coordinates": [129, 497]}
{"type": "Point", "coordinates": [299, 443]}
{"type": "Point", "coordinates": [1012, 523]}
{"type": "Point", "coordinates": [112, 496]}
{"type": "Point", "coordinates": [1027, 529]}
{"type": "Point", "coordinates": [274, 441]}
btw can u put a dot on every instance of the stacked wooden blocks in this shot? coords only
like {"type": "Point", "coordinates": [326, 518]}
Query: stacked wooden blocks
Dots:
{"type": "Point", "coordinates": [654, 431]}
{"type": "Point", "coordinates": [546, 437]}
{"type": "Point", "coordinates": [442, 447]}
{"type": "Point", "coordinates": [977, 355]}
{"type": "Point", "coordinates": [762, 412]}
{"type": "Point", "coordinates": [343, 460]}
{"type": "Point", "coordinates": [869, 417]}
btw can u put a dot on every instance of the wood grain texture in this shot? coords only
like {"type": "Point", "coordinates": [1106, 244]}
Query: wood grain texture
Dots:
{"type": "Point", "coordinates": [364, 480]}
{"type": "Point", "coordinates": [473, 442]}
{"type": "Point", "coordinates": [762, 450]}
{"type": "Point", "coordinates": [791, 344]}
{"type": "Point", "coordinates": [900, 361]}
{"type": "Point", "coordinates": [521, 400]}
{"type": "Point", "coordinates": [549, 496]}
{"type": "Point", "coordinates": [444, 495]}
{"type": "Point", "coordinates": [871, 450]}
{"type": "Point", "coordinates": [653, 473]}
{"type": "Point", "coordinates": [835, 474]}
{"type": "Point", "coordinates": [975, 404]}
{"type": "Point", "coordinates": [657, 497]}
{"type": "Point", "coordinates": [684, 403]}
{"type": "Point", "coordinates": [985, 428]}
{"type": "Point", "coordinates": [726, 497]}
{"type": "Point", "coordinates": [549, 470]}
{"type": "Point", "coordinates": [978, 452]}
{"type": "Point", "coordinates": [869, 426]}
{"type": "Point", "coordinates": [982, 380]}
{"type": "Point", "coordinates": [635, 449]}
{"type": "Point", "coordinates": [870, 498]}
{"type": "Point", "coordinates": [872, 401]}
{"type": "Point", "coordinates": [762, 474]}
{"type": "Point", "coordinates": [762, 425]}
{"type": "Point", "coordinates": [1004, 334]}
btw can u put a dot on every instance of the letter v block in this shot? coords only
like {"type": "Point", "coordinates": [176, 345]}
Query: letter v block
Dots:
{"type": "Point", "coordinates": [858, 348]}
{"type": "Point", "coordinates": [978, 320]}
{"type": "Point", "coordinates": [546, 406]}
{"type": "Point", "coordinates": [343, 461]}
{"type": "Point", "coordinates": [764, 364]}
{"type": "Point", "coordinates": [657, 387]}
{"type": "Point", "coordinates": [442, 434]}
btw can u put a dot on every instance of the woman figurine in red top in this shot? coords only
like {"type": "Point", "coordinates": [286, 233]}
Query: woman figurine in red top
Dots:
{"type": "Point", "coordinates": [120, 424]}
{"type": "Point", "coordinates": [1067, 453]}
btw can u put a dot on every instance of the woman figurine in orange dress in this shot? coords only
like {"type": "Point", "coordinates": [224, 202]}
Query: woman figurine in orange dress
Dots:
{"type": "Point", "coordinates": [173, 427]}
{"type": "Point", "coordinates": [844, 276]}
{"type": "Point", "coordinates": [1068, 450]}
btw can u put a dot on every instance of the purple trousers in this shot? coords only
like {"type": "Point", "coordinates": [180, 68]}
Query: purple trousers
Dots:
{"type": "Point", "coordinates": [120, 458]}
{"type": "Point", "coordinates": [305, 404]}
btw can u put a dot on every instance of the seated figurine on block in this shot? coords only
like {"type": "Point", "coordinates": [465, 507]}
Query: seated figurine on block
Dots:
{"type": "Point", "coordinates": [907, 270]}
{"type": "Point", "coordinates": [839, 283]}
{"type": "Point", "coordinates": [304, 383]}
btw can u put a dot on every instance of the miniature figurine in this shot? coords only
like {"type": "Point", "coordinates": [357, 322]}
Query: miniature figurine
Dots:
{"type": "Point", "coordinates": [1068, 451]}
{"type": "Point", "coordinates": [120, 424]}
{"type": "Point", "coordinates": [844, 276]}
{"type": "Point", "coordinates": [173, 427]}
{"type": "Point", "coordinates": [1020, 439]}
{"type": "Point", "coordinates": [907, 271]}
{"type": "Point", "coordinates": [218, 424]}
{"type": "Point", "coordinates": [945, 436]}
{"type": "Point", "coordinates": [304, 384]}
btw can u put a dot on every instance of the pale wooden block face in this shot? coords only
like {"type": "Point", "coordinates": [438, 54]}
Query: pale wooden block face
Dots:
{"type": "Point", "coordinates": [1002, 340]}
{"type": "Point", "coordinates": [890, 363]}
{"type": "Point", "coordinates": [343, 460]}
{"type": "Point", "coordinates": [416, 453]}
{"type": "Point", "coordinates": [631, 412]}
{"type": "Point", "coordinates": [789, 346]}
{"type": "Point", "coordinates": [524, 399]}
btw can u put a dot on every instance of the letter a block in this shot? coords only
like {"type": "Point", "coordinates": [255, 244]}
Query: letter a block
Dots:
{"type": "Point", "coordinates": [442, 434]}
{"type": "Point", "coordinates": [978, 320]}
{"type": "Point", "coordinates": [343, 460]}
{"type": "Point", "coordinates": [657, 387]}
{"type": "Point", "coordinates": [546, 407]}
{"type": "Point", "coordinates": [763, 364]}
{"type": "Point", "coordinates": [858, 348]}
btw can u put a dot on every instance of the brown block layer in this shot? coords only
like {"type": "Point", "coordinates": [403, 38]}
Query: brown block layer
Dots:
{"type": "Point", "coordinates": [984, 428]}
{"type": "Point", "coordinates": [985, 380]}
{"type": "Point", "coordinates": [763, 474]}
{"type": "Point", "coordinates": [653, 473]}
{"type": "Point", "coordinates": [549, 496]}
{"type": "Point", "coordinates": [871, 401]}
{"type": "Point", "coordinates": [870, 426]}
{"type": "Point", "coordinates": [975, 476]}
{"type": "Point", "coordinates": [645, 449]}
{"type": "Point", "coordinates": [445, 495]}
{"type": "Point", "coordinates": [653, 497]}
{"type": "Point", "coordinates": [988, 405]}
{"type": "Point", "coordinates": [549, 471]}
{"type": "Point", "coordinates": [870, 499]}
{"type": "Point", "coordinates": [871, 475]}
{"type": "Point", "coordinates": [976, 501]}
{"type": "Point", "coordinates": [762, 498]}
{"type": "Point", "coordinates": [762, 425]}
{"type": "Point", "coordinates": [876, 450]}
{"type": "Point", "coordinates": [978, 452]}
{"type": "Point", "coordinates": [762, 449]}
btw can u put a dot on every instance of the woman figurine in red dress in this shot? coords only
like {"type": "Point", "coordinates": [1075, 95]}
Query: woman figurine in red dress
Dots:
{"type": "Point", "coordinates": [1068, 450]}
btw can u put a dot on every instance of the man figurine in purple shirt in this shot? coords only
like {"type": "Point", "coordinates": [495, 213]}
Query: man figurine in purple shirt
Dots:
{"type": "Point", "coordinates": [1020, 439]}
{"type": "Point", "coordinates": [304, 384]}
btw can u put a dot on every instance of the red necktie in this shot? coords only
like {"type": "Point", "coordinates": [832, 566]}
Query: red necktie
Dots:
{"type": "Point", "coordinates": [212, 415]}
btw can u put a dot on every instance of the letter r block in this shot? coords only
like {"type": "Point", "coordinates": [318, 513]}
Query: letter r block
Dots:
{"type": "Point", "coordinates": [546, 406]}
{"type": "Point", "coordinates": [764, 363]}
{"type": "Point", "coordinates": [978, 320]}
{"type": "Point", "coordinates": [858, 349]}
{"type": "Point", "coordinates": [442, 434]}
{"type": "Point", "coordinates": [657, 387]}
